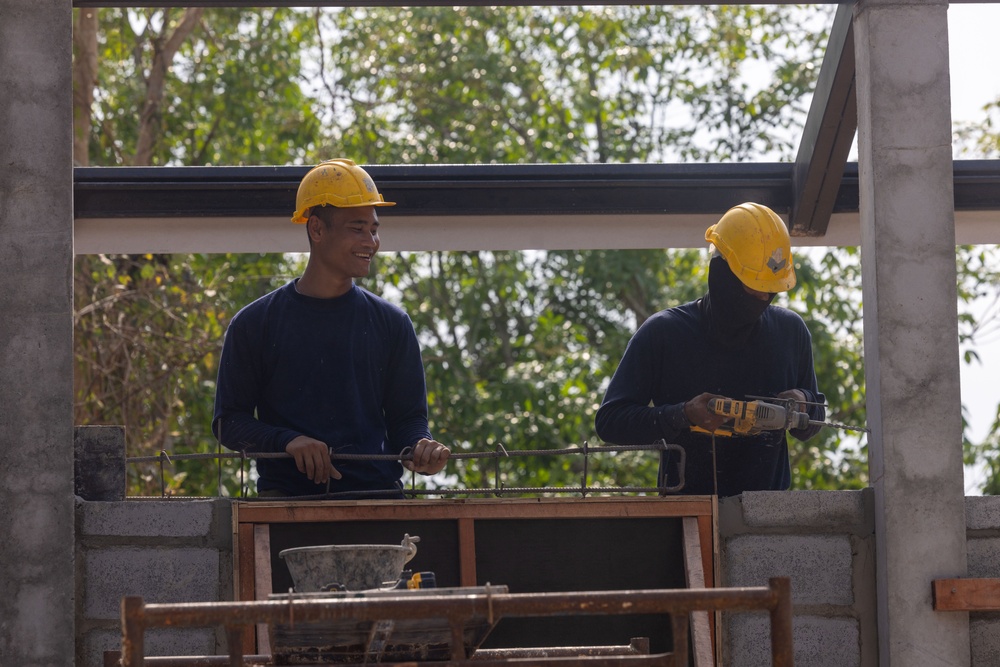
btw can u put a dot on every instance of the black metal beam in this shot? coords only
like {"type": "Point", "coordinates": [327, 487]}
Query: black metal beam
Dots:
{"type": "Point", "coordinates": [828, 133]}
{"type": "Point", "coordinates": [469, 190]}
{"type": "Point", "coordinates": [525, 189]}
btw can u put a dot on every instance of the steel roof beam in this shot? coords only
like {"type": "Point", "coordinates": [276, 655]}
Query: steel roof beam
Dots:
{"type": "Point", "coordinates": [504, 190]}
{"type": "Point", "coordinates": [828, 133]}
{"type": "Point", "coordinates": [427, 190]}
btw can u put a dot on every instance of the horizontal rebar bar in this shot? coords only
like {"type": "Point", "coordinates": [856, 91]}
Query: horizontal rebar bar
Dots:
{"type": "Point", "coordinates": [334, 455]}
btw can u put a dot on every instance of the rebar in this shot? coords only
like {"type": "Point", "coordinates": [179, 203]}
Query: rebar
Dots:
{"type": "Point", "coordinates": [499, 488]}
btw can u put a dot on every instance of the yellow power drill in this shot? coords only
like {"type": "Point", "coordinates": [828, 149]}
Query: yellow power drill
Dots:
{"type": "Point", "coordinates": [764, 414]}
{"type": "Point", "coordinates": [752, 417]}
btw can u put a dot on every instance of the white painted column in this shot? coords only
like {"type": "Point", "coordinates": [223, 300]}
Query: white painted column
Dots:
{"type": "Point", "coordinates": [37, 574]}
{"type": "Point", "coordinates": [911, 326]}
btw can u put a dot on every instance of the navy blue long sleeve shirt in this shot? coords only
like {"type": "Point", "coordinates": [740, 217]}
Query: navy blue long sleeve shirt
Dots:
{"type": "Point", "coordinates": [672, 358]}
{"type": "Point", "coordinates": [346, 371]}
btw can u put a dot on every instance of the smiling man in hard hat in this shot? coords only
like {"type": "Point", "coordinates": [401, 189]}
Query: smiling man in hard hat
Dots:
{"type": "Point", "coordinates": [730, 343]}
{"type": "Point", "coordinates": [323, 364]}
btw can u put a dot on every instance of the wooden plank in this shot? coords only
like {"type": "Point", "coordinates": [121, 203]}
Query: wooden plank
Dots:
{"type": "Point", "coordinates": [245, 563]}
{"type": "Point", "coordinates": [467, 551]}
{"type": "Point", "coordinates": [508, 508]}
{"type": "Point", "coordinates": [262, 579]}
{"type": "Point", "coordinates": [706, 533]}
{"type": "Point", "coordinates": [717, 567]}
{"type": "Point", "coordinates": [966, 594]}
{"type": "Point", "coordinates": [706, 536]}
{"type": "Point", "coordinates": [701, 635]}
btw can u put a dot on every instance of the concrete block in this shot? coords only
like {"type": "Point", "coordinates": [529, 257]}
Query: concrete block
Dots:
{"type": "Point", "coordinates": [99, 453]}
{"type": "Point", "coordinates": [157, 642]}
{"type": "Point", "coordinates": [148, 518]}
{"type": "Point", "coordinates": [982, 512]}
{"type": "Point", "coordinates": [818, 641]}
{"type": "Point", "coordinates": [984, 557]}
{"type": "Point", "coordinates": [984, 635]}
{"type": "Point", "coordinates": [819, 511]}
{"type": "Point", "coordinates": [155, 574]}
{"type": "Point", "coordinates": [819, 565]}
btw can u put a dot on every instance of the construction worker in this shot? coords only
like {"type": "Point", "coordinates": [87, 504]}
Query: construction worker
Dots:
{"type": "Point", "coordinates": [730, 343]}
{"type": "Point", "coordinates": [322, 364]}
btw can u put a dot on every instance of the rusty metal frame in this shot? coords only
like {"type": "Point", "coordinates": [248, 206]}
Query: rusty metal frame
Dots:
{"type": "Point", "coordinates": [240, 617]}
{"type": "Point", "coordinates": [638, 646]}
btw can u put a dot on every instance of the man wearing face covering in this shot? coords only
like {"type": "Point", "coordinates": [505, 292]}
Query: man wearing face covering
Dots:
{"type": "Point", "coordinates": [730, 343]}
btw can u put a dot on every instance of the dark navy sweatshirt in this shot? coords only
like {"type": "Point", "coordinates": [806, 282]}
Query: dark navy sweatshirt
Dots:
{"type": "Point", "coordinates": [672, 358]}
{"type": "Point", "coordinates": [346, 371]}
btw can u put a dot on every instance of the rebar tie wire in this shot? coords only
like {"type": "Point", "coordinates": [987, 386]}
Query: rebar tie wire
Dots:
{"type": "Point", "coordinates": [163, 455]}
{"type": "Point", "coordinates": [499, 488]}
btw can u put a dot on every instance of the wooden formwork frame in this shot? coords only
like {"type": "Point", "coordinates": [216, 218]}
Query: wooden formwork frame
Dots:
{"type": "Point", "coordinates": [698, 514]}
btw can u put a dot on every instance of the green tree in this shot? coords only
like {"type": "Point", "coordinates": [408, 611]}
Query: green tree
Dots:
{"type": "Point", "coordinates": [518, 346]}
{"type": "Point", "coordinates": [980, 139]}
{"type": "Point", "coordinates": [567, 84]}
{"type": "Point", "coordinates": [148, 327]}
{"type": "Point", "coordinates": [978, 272]}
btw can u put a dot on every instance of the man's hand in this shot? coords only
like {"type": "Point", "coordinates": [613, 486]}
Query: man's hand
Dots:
{"type": "Point", "coordinates": [798, 396]}
{"type": "Point", "coordinates": [429, 457]}
{"type": "Point", "coordinates": [312, 458]}
{"type": "Point", "coordinates": [697, 412]}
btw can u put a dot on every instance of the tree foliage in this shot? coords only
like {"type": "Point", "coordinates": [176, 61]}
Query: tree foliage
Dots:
{"type": "Point", "coordinates": [567, 84]}
{"type": "Point", "coordinates": [518, 346]}
{"type": "Point", "coordinates": [981, 139]}
{"type": "Point", "coordinates": [175, 87]}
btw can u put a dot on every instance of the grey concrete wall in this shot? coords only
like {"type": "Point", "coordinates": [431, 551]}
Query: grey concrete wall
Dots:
{"type": "Point", "coordinates": [910, 324]}
{"type": "Point", "coordinates": [162, 550]}
{"type": "Point", "coordinates": [36, 334]}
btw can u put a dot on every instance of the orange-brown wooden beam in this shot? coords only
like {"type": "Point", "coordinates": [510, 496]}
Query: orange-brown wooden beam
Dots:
{"type": "Point", "coordinates": [966, 594]}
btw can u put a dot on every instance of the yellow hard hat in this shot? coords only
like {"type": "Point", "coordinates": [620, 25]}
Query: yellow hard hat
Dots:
{"type": "Point", "coordinates": [339, 183]}
{"type": "Point", "coordinates": [755, 243]}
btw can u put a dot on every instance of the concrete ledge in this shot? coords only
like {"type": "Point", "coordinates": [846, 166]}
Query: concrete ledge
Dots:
{"type": "Point", "coordinates": [148, 518]}
{"type": "Point", "coordinates": [820, 566]}
{"type": "Point", "coordinates": [982, 512]}
{"type": "Point", "coordinates": [819, 511]}
{"type": "Point", "coordinates": [819, 641]}
{"type": "Point", "coordinates": [155, 574]}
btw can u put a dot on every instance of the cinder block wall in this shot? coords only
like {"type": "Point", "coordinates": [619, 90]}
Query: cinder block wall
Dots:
{"type": "Point", "coordinates": [181, 551]}
{"type": "Point", "coordinates": [824, 541]}
{"type": "Point", "coordinates": [161, 550]}
{"type": "Point", "coordinates": [982, 520]}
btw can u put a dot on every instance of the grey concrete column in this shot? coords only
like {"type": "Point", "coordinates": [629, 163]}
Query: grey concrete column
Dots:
{"type": "Point", "coordinates": [36, 334]}
{"type": "Point", "coordinates": [911, 325]}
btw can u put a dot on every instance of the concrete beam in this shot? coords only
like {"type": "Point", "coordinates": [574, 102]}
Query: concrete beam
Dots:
{"type": "Point", "coordinates": [461, 233]}
{"type": "Point", "coordinates": [36, 335]}
{"type": "Point", "coordinates": [911, 325]}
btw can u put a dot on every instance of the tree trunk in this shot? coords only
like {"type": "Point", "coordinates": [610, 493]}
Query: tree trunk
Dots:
{"type": "Point", "coordinates": [84, 82]}
{"type": "Point", "coordinates": [163, 56]}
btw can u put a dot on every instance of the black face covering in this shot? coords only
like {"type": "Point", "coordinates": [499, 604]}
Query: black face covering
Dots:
{"type": "Point", "coordinates": [732, 313]}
